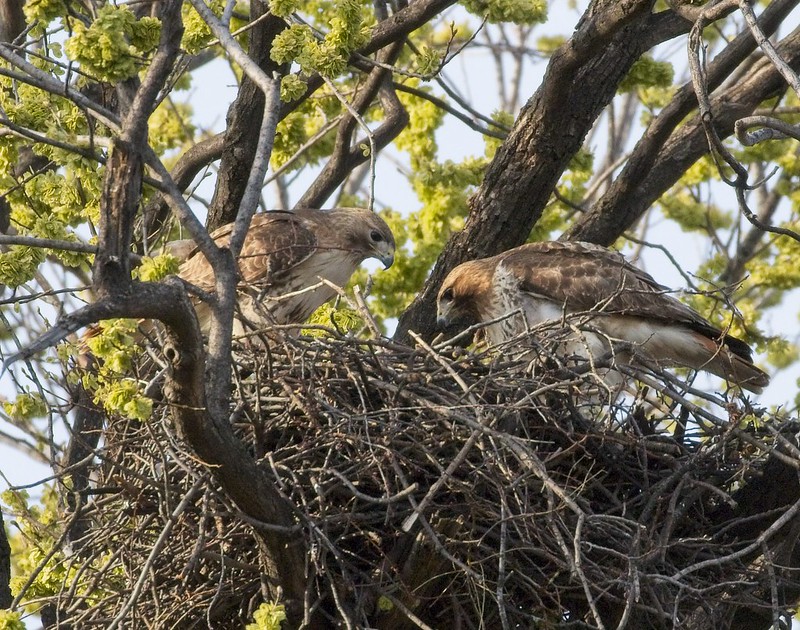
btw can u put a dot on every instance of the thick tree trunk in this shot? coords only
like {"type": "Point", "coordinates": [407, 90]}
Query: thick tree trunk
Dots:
{"type": "Point", "coordinates": [12, 20]}
{"type": "Point", "coordinates": [240, 141]}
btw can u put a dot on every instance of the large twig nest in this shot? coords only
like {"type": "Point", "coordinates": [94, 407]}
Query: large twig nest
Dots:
{"type": "Point", "coordinates": [446, 488]}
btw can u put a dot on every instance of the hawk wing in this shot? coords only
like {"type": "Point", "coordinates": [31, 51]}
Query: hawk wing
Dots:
{"type": "Point", "coordinates": [539, 282]}
{"type": "Point", "coordinates": [289, 260]}
{"type": "Point", "coordinates": [587, 277]}
{"type": "Point", "coordinates": [276, 243]}
{"type": "Point", "coordinates": [632, 306]}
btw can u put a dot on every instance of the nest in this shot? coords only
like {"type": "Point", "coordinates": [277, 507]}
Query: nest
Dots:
{"type": "Point", "coordinates": [433, 488]}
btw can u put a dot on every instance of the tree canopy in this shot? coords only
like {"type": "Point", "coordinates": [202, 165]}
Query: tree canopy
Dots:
{"type": "Point", "coordinates": [365, 470]}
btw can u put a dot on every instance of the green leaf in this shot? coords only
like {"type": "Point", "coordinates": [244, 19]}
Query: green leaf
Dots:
{"type": "Point", "coordinates": [112, 48]}
{"type": "Point", "coordinates": [26, 407]}
{"type": "Point", "coordinates": [268, 617]}
{"type": "Point", "coordinates": [516, 11]}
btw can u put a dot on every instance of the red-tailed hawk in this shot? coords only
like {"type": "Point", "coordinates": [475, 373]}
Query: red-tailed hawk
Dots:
{"type": "Point", "coordinates": [542, 282]}
{"type": "Point", "coordinates": [286, 255]}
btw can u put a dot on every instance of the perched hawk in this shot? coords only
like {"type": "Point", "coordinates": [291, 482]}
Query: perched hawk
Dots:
{"type": "Point", "coordinates": [286, 254]}
{"type": "Point", "coordinates": [542, 282]}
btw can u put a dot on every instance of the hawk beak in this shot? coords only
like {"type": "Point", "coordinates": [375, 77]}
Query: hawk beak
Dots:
{"type": "Point", "coordinates": [442, 319]}
{"type": "Point", "coordinates": [387, 258]}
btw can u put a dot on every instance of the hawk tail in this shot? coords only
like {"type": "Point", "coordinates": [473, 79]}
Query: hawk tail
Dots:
{"type": "Point", "coordinates": [729, 361]}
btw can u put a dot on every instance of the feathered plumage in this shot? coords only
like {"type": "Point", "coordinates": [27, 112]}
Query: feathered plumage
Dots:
{"type": "Point", "coordinates": [285, 254]}
{"type": "Point", "coordinates": [546, 281]}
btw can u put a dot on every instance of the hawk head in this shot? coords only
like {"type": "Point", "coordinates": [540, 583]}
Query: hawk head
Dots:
{"type": "Point", "coordinates": [464, 294]}
{"type": "Point", "coordinates": [366, 234]}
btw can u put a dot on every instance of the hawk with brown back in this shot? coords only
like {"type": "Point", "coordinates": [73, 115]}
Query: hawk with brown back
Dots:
{"type": "Point", "coordinates": [541, 282]}
{"type": "Point", "coordinates": [287, 255]}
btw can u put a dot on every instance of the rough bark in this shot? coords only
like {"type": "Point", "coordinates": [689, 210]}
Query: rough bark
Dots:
{"type": "Point", "coordinates": [348, 155]}
{"type": "Point", "coordinates": [85, 432]}
{"type": "Point", "coordinates": [240, 142]}
{"type": "Point", "coordinates": [580, 81]}
{"type": "Point", "coordinates": [5, 567]}
{"type": "Point", "coordinates": [12, 20]}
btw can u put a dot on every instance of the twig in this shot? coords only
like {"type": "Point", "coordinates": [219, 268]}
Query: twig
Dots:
{"type": "Point", "coordinates": [154, 552]}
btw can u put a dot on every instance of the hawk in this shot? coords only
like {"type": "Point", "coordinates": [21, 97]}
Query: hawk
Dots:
{"type": "Point", "coordinates": [541, 282]}
{"type": "Point", "coordinates": [285, 257]}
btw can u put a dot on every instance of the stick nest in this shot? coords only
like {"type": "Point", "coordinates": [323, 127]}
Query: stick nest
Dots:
{"type": "Point", "coordinates": [437, 488]}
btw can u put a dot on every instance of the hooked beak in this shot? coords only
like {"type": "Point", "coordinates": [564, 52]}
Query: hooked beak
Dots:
{"type": "Point", "coordinates": [442, 319]}
{"type": "Point", "coordinates": [387, 258]}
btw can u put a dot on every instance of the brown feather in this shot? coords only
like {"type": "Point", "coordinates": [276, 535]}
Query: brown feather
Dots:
{"type": "Point", "coordinates": [567, 277]}
{"type": "Point", "coordinates": [287, 252]}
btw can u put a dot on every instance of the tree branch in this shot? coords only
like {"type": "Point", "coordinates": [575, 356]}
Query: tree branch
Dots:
{"type": "Point", "coordinates": [12, 23]}
{"type": "Point", "coordinates": [239, 149]}
{"type": "Point", "coordinates": [190, 163]}
{"type": "Point", "coordinates": [123, 181]}
{"type": "Point", "coordinates": [346, 154]}
{"type": "Point", "coordinates": [36, 77]}
{"type": "Point", "coordinates": [645, 177]}
{"type": "Point", "coordinates": [231, 177]}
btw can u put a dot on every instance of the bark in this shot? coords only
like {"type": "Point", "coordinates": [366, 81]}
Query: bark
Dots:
{"type": "Point", "coordinates": [5, 567]}
{"type": "Point", "coordinates": [579, 83]}
{"type": "Point", "coordinates": [87, 427]}
{"type": "Point", "coordinates": [240, 141]}
{"type": "Point", "coordinates": [348, 155]}
{"type": "Point", "coordinates": [5, 216]}
{"type": "Point", "coordinates": [121, 192]}
{"type": "Point", "coordinates": [12, 20]}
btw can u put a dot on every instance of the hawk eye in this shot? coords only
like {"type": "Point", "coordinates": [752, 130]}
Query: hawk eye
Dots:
{"type": "Point", "coordinates": [448, 294]}
{"type": "Point", "coordinates": [376, 236]}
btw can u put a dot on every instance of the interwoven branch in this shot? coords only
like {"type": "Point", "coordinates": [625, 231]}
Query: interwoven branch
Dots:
{"type": "Point", "coordinates": [529, 498]}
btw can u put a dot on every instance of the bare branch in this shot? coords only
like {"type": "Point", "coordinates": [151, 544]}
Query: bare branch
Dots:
{"type": "Point", "coordinates": [653, 167]}
{"type": "Point", "coordinates": [763, 42]}
{"type": "Point", "coordinates": [48, 243]}
{"type": "Point", "coordinates": [770, 129]}
{"type": "Point", "coordinates": [709, 125]}
{"type": "Point", "coordinates": [441, 104]}
{"type": "Point", "coordinates": [712, 11]}
{"type": "Point", "coordinates": [348, 154]}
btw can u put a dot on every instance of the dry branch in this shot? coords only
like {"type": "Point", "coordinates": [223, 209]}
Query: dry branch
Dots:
{"type": "Point", "coordinates": [652, 167]}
